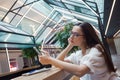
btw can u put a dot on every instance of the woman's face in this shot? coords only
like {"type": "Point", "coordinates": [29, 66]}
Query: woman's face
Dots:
{"type": "Point", "coordinates": [77, 36]}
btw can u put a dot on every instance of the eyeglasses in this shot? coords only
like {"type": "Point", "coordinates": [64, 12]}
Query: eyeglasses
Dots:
{"type": "Point", "coordinates": [75, 34]}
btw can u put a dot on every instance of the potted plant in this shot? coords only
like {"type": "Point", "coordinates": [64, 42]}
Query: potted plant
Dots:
{"type": "Point", "coordinates": [30, 54]}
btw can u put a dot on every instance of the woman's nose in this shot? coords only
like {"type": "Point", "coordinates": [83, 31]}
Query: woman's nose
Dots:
{"type": "Point", "coordinates": [71, 36]}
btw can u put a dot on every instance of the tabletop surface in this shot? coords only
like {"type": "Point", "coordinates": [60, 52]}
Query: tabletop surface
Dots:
{"type": "Point", "coordinates": [52, 74]}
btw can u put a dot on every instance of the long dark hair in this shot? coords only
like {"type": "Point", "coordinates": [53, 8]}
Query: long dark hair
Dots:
{"type": "Point", "coordinates": [92, 40]}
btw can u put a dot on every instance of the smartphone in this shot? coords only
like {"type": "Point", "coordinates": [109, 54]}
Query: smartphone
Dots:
{"type": "Point", "coordinates": [39, 52]}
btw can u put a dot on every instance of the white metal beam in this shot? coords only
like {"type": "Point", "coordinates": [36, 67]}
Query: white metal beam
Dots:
{"type": "Point", "coordinates": [109, 19]}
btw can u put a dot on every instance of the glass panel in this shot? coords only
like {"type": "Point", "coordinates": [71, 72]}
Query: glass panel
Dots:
{"type": "Point", "coordinates": [55, 16]}
{"type": "Point", "coordinates": [75, 6]}
{"type": "Point", "coordinates": [6, 3]}
{"type": "Point", "coordinates": [20, 39]}
{"type": "Point", "coordinates": [3, 35]}
{"type": "Point", "coordinates": [43, 8]}
{"type": "Point", "coordinates": [35, 16]}
{"type": "Point", "coordinates": [15, 38]}
{"type": "Point", "coordinates": [28, 25]}
{"type": "Point", "coordinates": [54, 2]}
{"type": "Point", "coordinates": [19, 3]}
{"type": "Point", "coordinates": [23, 10]}
{"type": "Point", "coordinates": [10, 28]}
{"type": "Point", "coordinates": [9, 17]}
{"type": "Point", "coordinates": [53, 19]}
{"type": "Point", "coordinates": [16, 20]}
{"type": "Point", "coordinates": [3, 28]}
{"type": "Point", "coordinates": [50, 22]}
{"type": "Point", "coordinates": [2, 13]}
{"type": "Point", "coordinates": [3, 45]}
{"type": "Point", "coordinates": [13, 35]}
{"type": "Point", "coordinates": [29, 1]}
{"type": "Point", "coordinates": [44, 34]}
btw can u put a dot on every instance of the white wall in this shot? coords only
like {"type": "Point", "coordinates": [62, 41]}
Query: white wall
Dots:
{"type": "Point", "coordinates": [13, 54]}
{"type": "Point", "coordinates": [4, 63]}
{"type": "Point", "coordinates": [117, 45]}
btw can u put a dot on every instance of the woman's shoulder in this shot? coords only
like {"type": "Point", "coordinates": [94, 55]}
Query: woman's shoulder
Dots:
{"type": "Point", "coordinates": [96, 50]}
{"type": "Point", "coordinates": [78, 52]}
{"type": "Point", "coordinates": [99, 47]}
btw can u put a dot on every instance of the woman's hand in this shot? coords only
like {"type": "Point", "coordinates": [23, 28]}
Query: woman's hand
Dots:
{"type": "Point", "coordinates": [45, 59]}
{"type": "Point", "coordinates": [70, 42]}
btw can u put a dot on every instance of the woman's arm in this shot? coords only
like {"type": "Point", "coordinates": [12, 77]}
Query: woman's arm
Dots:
{"type": "Point", "coordinates": [78, 70]}
{"type": "Point", "coordinates": [62, 55]}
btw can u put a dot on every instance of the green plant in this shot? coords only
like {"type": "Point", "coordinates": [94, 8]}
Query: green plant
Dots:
{"type": "Point", "coordinates": [63, 36]}
{"type": "Point", "coordinates": [30, 53]}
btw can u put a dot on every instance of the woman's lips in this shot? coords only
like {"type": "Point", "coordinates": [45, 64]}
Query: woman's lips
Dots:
{"type": "Point", "coordinates": [72, 41]}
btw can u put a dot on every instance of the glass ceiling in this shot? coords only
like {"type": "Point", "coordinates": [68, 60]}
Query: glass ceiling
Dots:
{"type": "Point", "coordinates": [27, 23]}
{"type": "Point", "coordinates": [9, 34]}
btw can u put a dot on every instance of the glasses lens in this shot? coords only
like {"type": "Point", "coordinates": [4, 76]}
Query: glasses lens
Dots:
{"type": "Point", "coordinates": [75, 34]}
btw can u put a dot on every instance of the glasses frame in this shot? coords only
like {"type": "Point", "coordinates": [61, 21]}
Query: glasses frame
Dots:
{"type": "Point", "coordinates": [75, 34]}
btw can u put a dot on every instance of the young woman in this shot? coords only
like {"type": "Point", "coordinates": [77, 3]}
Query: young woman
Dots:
{"type": "Point", "coordinates": [90, 62]}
